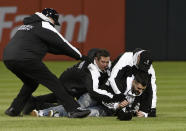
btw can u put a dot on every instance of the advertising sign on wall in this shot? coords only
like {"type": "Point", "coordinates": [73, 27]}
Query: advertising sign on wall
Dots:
{"type": "Point", "coordinates": [85, 24]}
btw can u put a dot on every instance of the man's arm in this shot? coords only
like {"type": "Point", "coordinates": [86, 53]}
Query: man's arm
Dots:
{"type": "Point", "coordinates": [154, 86]}
{"type": "Point", "coordinates": [119, 80]}
{"type": "Point", "coordinates": [118, 71]}
{"type": "Point", "coordinates": [96, 91]}
{"type": "Point", "coordinates": [55, 41]}
{"type": "Point", "coordinates": [145, 101]}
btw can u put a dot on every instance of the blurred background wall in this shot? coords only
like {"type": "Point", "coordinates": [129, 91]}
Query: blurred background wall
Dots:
{"type": "Point", "coordinates": [157, 25]}
{"type": "Point", "coordinates": [117, 25]}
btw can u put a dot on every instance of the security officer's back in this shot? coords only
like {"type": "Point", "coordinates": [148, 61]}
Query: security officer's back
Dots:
{"type": "Point", "coordinates": [23, 56]}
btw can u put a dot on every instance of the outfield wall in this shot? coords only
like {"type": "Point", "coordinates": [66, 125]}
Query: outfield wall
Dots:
{"type": "Point", "coordinates": [158, 25]}
{"type": "Point", "coordinates": [85, 24]}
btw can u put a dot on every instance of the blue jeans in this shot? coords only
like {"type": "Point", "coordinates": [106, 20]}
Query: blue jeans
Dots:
{"type": "Point", "coordinates": [85, 102]}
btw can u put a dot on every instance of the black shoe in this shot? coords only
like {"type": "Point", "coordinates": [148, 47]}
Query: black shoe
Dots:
{"type": "Point", "coordinates": [30, 106]}
{"type": "Point", "coordinates": [152, 112]}
{"type": "Point", "coordinates": [79, 113]}
{"type": "Point", "coordinates": [11, 112]}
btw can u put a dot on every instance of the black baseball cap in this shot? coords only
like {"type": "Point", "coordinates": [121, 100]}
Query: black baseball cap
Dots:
{"type": "Point", "coordinates": [145, 61]}
{"type": "Point", "coordinates": [50, 12]}
{"type": "Point", "coordinates": [124, 115]}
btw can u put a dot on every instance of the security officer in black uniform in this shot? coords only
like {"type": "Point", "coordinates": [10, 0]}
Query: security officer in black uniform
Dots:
{"type": "Point", "coordinates": [23, 56]}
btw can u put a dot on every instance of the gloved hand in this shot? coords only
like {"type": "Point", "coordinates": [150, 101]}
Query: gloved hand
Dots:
{"type": "Point", "coordinates": [152, 112]}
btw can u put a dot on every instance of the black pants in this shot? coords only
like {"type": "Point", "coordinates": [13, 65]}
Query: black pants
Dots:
{"type": "Point", "coordinates": [75, 83]}
{"type": "Point", "coordinates": [33, 73]}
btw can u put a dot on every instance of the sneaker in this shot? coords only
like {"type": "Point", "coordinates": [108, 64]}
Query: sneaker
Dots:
{"type": "Point", "coordinates": [34, 113]}
{"type": "Point", "coordinates": [56, 114]}
{"type": "Point", "coordinates": [79, 113]}
{"type": "Point", "coordinates": [11, 112]}
{"type": "Point", "coordinates": [51, 113]}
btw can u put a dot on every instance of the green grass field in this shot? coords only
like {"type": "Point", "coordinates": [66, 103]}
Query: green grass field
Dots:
{"type": "Point", "coordinates": [171, 106]}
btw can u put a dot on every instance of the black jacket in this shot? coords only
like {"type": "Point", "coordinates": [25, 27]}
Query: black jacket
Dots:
{"type": "Point", "coordinates": [121, 67]}
{"type": "Point", "coordinates": [95, 80]}
{"type": "Point", "coordinates": [124, 81]}
{"type": "Point", "coordinates": [36, 38]}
